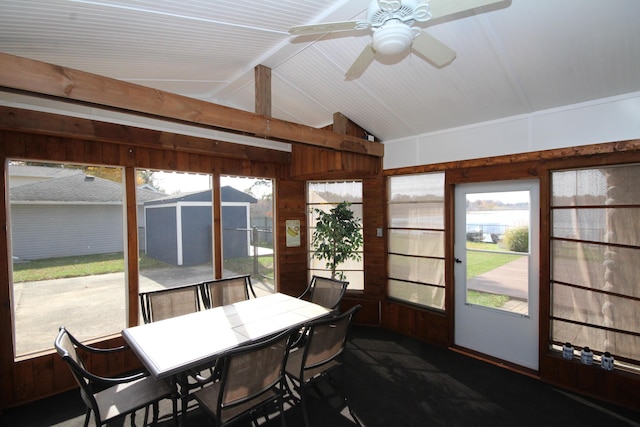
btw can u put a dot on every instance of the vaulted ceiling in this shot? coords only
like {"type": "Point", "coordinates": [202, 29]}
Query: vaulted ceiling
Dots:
{"type": "Point", "coordinates": [514, 57]}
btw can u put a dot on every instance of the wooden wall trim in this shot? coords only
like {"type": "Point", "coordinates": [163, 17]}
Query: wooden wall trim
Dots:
{"type": "Point", "coordinates": [6, 335]}
{"type": "Point", "coordinates": [559, 154]}
{"type": "Point", "coordinates": [132, 246]}
{"type": "Point", "coordinates": [39, 78]}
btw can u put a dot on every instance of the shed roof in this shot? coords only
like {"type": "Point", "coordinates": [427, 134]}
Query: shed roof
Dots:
{"type": "Point", "coordinates": [227, 193]}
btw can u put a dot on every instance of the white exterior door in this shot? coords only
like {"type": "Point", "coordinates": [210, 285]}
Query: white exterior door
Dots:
{"type": "Point", "coordinates": [496, 270]}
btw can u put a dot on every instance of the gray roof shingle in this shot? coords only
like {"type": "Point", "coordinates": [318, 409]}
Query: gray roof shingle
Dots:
{"type": "Point", "coordinates": [77, 188]}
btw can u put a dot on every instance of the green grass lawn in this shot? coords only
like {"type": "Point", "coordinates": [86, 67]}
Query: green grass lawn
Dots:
{"type": "Point", "coordinates": [89, 265]}
{"type": "Point", "coordinates": [245, 266]}
{"type": "Point", "coordinates": [76, 266]}
{"type": "Point", "coordinates": [482, 262]}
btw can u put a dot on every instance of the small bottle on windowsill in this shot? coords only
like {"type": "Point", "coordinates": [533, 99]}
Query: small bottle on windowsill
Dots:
{"type": "Point", "coordinates": [607, 361]}
{"type": "Point", "coordinates": [586, 356]}
{"type": "Point", "coordinates": [567, 351]}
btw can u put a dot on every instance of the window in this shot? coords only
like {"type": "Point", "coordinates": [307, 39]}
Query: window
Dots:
{"type": "Point", "coordinates": [67, 246]}
{"type": "Point", "coordinates": [175, 236]}
{"type": "Point", "coordinates": [247, 230]}
{"type": "Point", "coordinates": [326, 195]}
{"type": "Point", "coordinates": [595, 260]}
{"type": "Point", "coordinates": [416, 239]}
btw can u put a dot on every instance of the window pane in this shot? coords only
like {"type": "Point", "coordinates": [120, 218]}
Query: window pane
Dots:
{"type": "Point", "coordinates": [67, 244]}
{"type": "Point", "coordinates": [247, 236]}
{"type": "Point", "coordinates": [320, 192]}
{"type": "Point", "coordinates": [595, 308]}
{"type": "Point", "coordinates": [598, 186]}
{"type": "Point", "coordinates": [430, 296]}
{"type": "Point", "coordinates": [325, 195]}
{"type": "Point", "coordinates": [417, 269]}
{"type": "Point", "coordinates": [497, 226]}
{"type": "Point", "coordinates": [174, 225]}
{"type": "Point", "coordinates": [595, 224]}
{"type": "Point", "coordinates": [348, 265]}
{"type": "Point", "coordinates": [577, 263]}
{"type": "Point", "coordinates": [417, 242]}
{"type": "Point", "coordinates": [604, 308]}
{"type": "Point", "coordinates": [417, 188]}
{"type": "Point", "coordinates": [415, 238]}
{"type": "Point", "coordinates": [416, 215]}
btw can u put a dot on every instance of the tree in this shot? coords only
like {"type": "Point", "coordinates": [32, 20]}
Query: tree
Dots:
{"type": "Point", "coordinates": [337, 237]}
{"type": "Point", "coordinates": [147, 177]}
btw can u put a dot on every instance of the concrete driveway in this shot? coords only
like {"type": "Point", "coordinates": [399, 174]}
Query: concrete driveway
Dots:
{"type": "Point", "coordinates": [89, 307]}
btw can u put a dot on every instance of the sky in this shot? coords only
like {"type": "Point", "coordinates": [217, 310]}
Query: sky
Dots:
{"type": "Point", "coordinates": [173, 182]}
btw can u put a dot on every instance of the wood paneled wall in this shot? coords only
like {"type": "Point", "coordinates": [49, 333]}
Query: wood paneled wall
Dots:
{"type": "Point", "coordinates": [310, 163]}
{"type": "Point", "coordinates": [41, 137]}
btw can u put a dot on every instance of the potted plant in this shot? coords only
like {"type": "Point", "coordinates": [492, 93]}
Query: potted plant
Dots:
{"type": "Point", "coordinates": [337, 237]}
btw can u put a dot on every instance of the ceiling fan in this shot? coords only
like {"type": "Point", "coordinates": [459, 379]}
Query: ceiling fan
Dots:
{"type": "Point", "coordinates": [392, 23]}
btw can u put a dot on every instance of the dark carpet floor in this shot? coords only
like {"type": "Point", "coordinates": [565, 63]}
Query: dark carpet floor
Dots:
{"type": "Point", "coordinates": [397, 381]}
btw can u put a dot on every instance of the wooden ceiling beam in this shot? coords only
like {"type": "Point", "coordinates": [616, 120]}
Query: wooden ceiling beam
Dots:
{"type": "Point", "coordinates": [39, 78]}
{"type": "Point", "coordinates": [263, 90]}
{"type": "Point", "coordinates": [16, 119]}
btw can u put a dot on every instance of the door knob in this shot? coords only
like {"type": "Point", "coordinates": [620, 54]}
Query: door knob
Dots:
{"type": "Point", "coordinates": [458, 261]}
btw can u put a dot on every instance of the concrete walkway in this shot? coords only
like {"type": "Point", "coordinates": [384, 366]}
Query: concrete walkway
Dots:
{"type": "Point", "coordinates": [511, 279]}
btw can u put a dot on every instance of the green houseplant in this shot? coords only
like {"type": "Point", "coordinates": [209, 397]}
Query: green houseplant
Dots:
{"type": "Point", "coordinates": [337, 237]}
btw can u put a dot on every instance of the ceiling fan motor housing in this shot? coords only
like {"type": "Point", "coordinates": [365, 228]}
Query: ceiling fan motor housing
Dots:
{"type": "Point", "coordinates": [393, 38]}
{"type": "Point", "coordinates": [392, 20]}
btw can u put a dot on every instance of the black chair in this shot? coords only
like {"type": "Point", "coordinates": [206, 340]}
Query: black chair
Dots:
{"type": "Point", "coordinates": [325, 291]}
{"type": "Point", "coordinates": [171, 302]}
{"type": "Point", "coordinates": [251, 382]}
{"type": "Point", "coordinates": [110, 398]}
{"type": "Point", "coordinates": [227, 290]}
{"type": "Point", "coordinates": [321, 355]}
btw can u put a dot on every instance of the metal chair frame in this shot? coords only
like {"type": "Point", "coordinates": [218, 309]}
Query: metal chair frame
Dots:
{"type": "Point", "coordinates": [159, 296]}
{"type": "Point", "coordinates": [223, 291]}
{"type": "Point", "coordinates": [325, 291]}
{"type": "Point", "coordinates": [320, 355]}
{"type": "Point", "coordinates": [252, 378]}
{"type": "Point", "coordinates": [98, 392]}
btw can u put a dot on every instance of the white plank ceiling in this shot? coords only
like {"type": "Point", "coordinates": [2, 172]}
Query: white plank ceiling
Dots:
{"type": "Point", "coordinates": [517, 57]}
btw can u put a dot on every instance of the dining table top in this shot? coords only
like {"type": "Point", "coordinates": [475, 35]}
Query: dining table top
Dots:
{"type": "Point", "coordinates": [168, 347]}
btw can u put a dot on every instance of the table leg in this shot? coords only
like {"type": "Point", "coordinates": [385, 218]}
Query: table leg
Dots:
{"type": "Point", "coordinates": [183, 381]}
{"type": "Point", "coordinates": [174, 398]}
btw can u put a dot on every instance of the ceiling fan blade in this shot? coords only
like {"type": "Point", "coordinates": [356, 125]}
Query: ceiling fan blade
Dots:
{"type": "Point", "coordinates": [327, 27]}
{"type": "Point", "coordinates": [433, 50]}
{"type": "Point", "coordinates": [440, 8]}
{"type": "Point", "coordinates": [361, 63]}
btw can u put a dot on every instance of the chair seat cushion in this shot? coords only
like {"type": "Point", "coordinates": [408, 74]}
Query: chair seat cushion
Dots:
{"type": "Point", "coordinates": [127, 397]}
{"type": "Point", "coordinates": [208, 400]}
{"type": "Point", "coordinates": [294, 363]}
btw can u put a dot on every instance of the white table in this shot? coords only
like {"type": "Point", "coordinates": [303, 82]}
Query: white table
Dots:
{"type": "Point", "coordinates": [171, 347]}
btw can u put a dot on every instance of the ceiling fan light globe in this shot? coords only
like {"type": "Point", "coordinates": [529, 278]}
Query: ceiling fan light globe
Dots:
{"type": "Point", "coordinates": [393, 38]}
